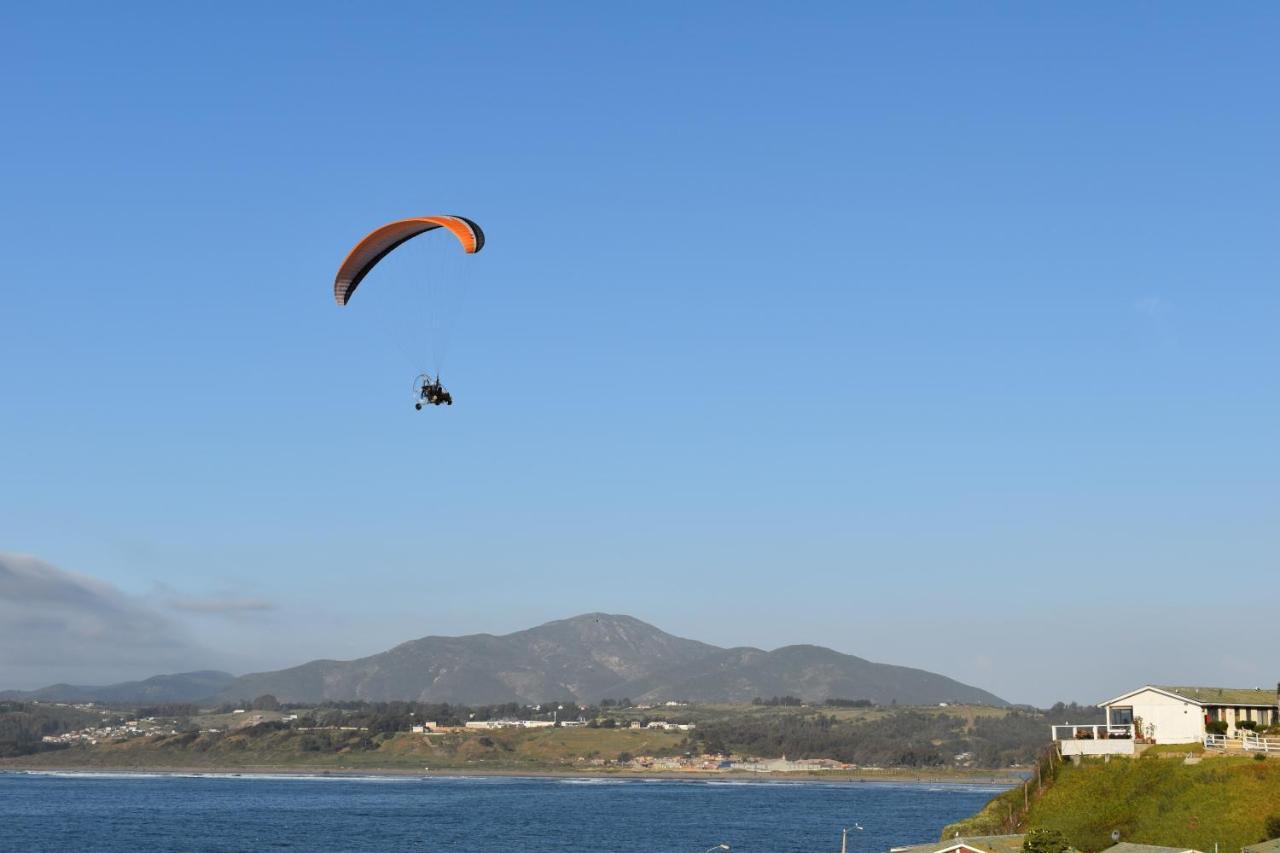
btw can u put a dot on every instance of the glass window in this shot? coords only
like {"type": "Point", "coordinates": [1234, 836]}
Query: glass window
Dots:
{"type": "Point", "coordinates": [1121, 716]}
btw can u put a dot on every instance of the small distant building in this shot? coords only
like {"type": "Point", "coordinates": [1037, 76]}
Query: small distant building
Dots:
{"type": "Point", "coordinates": [1125, 847]}
{"type": "Point", "coordinates": [1272, 846]}
{"type": "Point", "coordinates": [971, 844]}
{"type": "Point", "coordinates": [509, 724]}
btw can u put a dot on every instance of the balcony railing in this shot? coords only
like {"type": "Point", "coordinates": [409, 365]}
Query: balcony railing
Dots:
{"type": "Point", "coordinates": [1098, 732]}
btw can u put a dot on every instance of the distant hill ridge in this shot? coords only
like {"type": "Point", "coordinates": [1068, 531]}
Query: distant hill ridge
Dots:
{"type": "Point", "coordinates": [180, 687]}
{"type": "Point", "coordinates": [592, 657]}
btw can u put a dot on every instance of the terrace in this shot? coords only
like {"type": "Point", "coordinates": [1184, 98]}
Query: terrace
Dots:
{"type": "Point", "coordinates": [1102, 739]}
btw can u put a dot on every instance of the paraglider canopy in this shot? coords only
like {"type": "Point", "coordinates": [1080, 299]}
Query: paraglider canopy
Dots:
{"type": "Point", "coordinates": [380, 242]}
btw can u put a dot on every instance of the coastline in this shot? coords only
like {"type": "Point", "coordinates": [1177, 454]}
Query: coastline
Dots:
{"type": "Point", "coordinates": [994, 779]}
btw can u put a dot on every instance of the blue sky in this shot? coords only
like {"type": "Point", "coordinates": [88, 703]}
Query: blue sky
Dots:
{"type": "Point", "coordinates": [849, 324]}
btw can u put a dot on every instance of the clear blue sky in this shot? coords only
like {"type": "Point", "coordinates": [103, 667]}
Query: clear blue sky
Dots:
{"type": "Point", "coordinates": [944, 335]}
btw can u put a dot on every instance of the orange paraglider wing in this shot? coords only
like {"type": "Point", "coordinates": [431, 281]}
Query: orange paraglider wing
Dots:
{"type": "Point", "coordinates": [380, 242]}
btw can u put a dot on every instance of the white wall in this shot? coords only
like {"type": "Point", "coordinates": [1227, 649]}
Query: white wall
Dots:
{"type": "Point", "coordinates": [1168, 718]}
{"type": "Point", "coordinates": [1096, 747]}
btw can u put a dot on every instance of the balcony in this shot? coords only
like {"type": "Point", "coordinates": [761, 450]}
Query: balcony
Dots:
{"type": "Point", "coordinates": [1094, 740]}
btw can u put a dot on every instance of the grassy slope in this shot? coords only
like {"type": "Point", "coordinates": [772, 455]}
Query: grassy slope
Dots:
{"type": "Point", "coordinates": [546, 749]}
{"type": "Point", "coordinates": [1150, 801]}
{"type": "Point", "coordinates": [511, 751]}
{"type": "Point", "coordinates": [564, 749]}
{"type": "Point", "coordinates": [704, 713]}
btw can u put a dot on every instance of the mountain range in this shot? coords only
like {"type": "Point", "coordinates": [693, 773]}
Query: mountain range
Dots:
{"type": "Point", "coordinates": [159, 689]}
{"type": "Point", "coordinates": [586, 658]}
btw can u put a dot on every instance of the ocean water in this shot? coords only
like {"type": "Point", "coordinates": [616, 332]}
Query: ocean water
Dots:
{"type": "Point", "coordinates": [105, 812]}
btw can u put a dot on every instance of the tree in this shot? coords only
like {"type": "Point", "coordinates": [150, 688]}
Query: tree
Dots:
{"type": "Point", "coordinates": [266, 702]}
{"type": "Point", "coordinates": [1043, 840]}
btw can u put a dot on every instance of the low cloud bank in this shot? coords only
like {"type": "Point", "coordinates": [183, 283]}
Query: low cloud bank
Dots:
{"type": "Point", "coordinates": [61, 626]}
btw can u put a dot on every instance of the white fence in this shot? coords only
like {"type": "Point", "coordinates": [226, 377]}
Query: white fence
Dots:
{"type": "Point", "coordinates": [1248, 741]}
{"type": "Point", "coordinates": [1253, 743]}
{"type": "Point", "coordinates": [1091, 732]}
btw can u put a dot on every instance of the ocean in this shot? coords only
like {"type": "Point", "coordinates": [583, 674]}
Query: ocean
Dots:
{"type": "Point", "coordinates": [128, 812]}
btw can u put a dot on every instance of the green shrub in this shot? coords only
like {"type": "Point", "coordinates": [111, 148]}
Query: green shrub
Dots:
{"type": "Point", "coordinates": [1044, 841]}
{"type": "Point", "coordinates": [1258, 756]}
{"type": "Point", "coordinates": [1247, 724]}
{"type": "Point", "coordinates": [1216, 727]}
{"type": "Point", "coordinates": [1272, 827]}
{"type": "Point", "coordinates": [312, 743]}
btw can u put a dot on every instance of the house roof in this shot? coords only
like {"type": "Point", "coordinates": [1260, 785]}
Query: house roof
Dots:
{"type": "Point", "coordinates": [1230, 696]}
{"type": "Point", "coordinates": [1126, 847]}
{"type": "Point", "coordinates": [980, 843]}
{"type": "Point", "coordinates": [1263, 846]}
{"type": "Point", "coordinates": [1225, 695]}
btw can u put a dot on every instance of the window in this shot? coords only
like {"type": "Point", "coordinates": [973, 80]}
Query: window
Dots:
{"type": "Point", "coordinates": [1121, 716]}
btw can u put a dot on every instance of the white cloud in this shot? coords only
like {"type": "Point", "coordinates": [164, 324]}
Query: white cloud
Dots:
{"type": "Point", "coordinates": [57, 625]}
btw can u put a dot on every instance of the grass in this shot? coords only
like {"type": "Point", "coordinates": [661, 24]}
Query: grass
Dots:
{"type": "Point", "coordinates": [503, 749]}
{"type": "Point", "coordinates": [704, 713]}
{"type": "Point", "coordinates": [1219, 801]}
{"type": "Point", "coordinates": [571, 751]}
{"type": "Point", "coordinates": [1174, 749]}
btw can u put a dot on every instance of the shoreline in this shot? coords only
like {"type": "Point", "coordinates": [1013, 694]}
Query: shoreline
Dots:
{"type": "Point", "coordinates": [994, 780]}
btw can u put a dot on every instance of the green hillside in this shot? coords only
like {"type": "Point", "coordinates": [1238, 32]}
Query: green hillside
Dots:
{"type": "Point", "coordinates": [1221, 801]}
{"type": "Point", "coordinates": [274, 745]}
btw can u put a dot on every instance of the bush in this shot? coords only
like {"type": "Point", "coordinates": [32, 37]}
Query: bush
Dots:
{"type": "Point", "coordinates": [1045, 841]}
{"type": "Point", "coordinates": [1272, 827]}
{"type": "Point", "coordinates": [1258, 756]}
{"type": "Point", "coordinates": [265, 702]}
{"type": "Point", "coordinates": [265, 727]}
{"type": "Point", "coordinates": [312, 743]}
{"type": "Point", "coordinates": [1247, 724]}
{"type": "Point", "coordinates": [1216, 727]}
